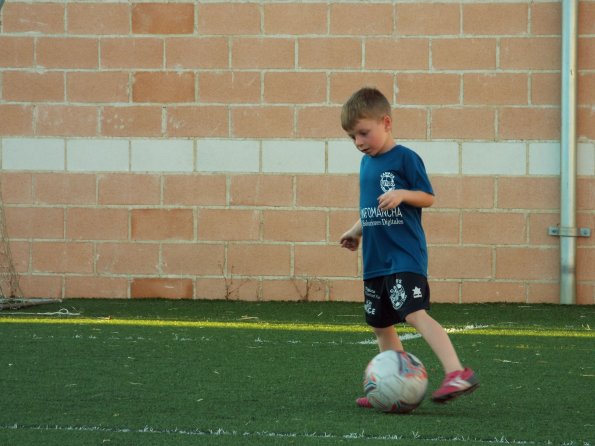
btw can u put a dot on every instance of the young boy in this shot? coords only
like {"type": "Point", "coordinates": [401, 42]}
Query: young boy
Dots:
{"type": "Point", "coordinates": [394, 187]}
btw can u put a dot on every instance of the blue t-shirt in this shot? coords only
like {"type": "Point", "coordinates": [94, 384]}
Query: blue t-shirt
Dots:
{"type": "Point", "coordinates": [393, 241]}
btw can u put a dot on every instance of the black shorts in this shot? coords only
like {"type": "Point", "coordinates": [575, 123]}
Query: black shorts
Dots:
{"type": "Point", "coordinates": [389, 299]}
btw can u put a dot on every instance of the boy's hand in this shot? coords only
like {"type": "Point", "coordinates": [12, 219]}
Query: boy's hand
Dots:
{"type": "Point", "coordinates": [391, 199]}
{"type": "Point", "coordinates": [349, 241]}
{"type": "Point", "coordinates": [394, 198]}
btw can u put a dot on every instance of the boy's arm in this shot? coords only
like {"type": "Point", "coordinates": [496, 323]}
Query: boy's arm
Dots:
{"type": "Point", "coordinates": [394, 198]}
{"type": "Point", "coordinates": [351, 238]}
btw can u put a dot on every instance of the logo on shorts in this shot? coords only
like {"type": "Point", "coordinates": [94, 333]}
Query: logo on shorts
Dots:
{"type": "Point", "coordinates": [417, 293]}
{"type": "Point", "coordinates": [368, 308]}
{"type": "Point", "coordinates": [398, 295]}
{"type": "Point", "coordinates": [369, 292]}
{"type": "Point", "coordinates": [387, 181]}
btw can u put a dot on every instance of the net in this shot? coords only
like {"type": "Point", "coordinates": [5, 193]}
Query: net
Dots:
{"type": "Point", "coordinates": [11, 295]}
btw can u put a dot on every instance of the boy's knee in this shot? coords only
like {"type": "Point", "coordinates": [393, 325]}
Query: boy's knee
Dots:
{"type": "Point", "coordinates": [415, 317]}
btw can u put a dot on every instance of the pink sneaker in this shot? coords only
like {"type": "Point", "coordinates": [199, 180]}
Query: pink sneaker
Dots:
{"type": "Point", "coordinates": [363, 402]}
{"type": "Point", "coordinates": [455, 384]}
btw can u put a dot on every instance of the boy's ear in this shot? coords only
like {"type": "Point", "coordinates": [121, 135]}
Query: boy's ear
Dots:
{"type": "Point", "coordinates": [388, 122]}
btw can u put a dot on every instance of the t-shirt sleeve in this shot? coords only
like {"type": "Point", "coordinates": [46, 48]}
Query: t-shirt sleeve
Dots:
{"type": "Point", "coordinates": [416, 174]}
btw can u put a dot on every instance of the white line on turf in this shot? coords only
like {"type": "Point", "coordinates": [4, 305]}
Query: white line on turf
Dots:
{"type": "Point", "coordinates": [266, 434]}
{"type": "Point", "coordinates": [410, 336]}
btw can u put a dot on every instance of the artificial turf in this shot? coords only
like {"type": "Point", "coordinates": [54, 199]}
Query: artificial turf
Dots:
{"type": "Point", "coordinates": [193, 372]}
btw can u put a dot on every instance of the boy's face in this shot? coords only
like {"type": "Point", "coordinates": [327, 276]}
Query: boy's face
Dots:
{"type": "Point", "coordinates": [373, 136]}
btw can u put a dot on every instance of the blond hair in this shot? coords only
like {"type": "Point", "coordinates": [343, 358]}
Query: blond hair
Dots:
{"type": "Point", "coordinates": [366, 103]}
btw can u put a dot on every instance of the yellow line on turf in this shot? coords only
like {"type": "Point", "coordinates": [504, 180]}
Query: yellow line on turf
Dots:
{"type": "Point", "coordinates": [486, 331]}
{"type": "Point", "coordinates": [192, 324]}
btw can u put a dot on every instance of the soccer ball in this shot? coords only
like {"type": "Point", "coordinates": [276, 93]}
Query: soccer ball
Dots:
{"type": "Point", "coordinates": [395, 382]}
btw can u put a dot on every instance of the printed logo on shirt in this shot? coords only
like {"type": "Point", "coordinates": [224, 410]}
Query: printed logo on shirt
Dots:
{"type": "Point", "coordinates": [398, 295]}
{"type": "Point", "coordinates": [387, 181]}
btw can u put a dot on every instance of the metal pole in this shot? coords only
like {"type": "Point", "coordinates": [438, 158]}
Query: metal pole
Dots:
{"type": "Point", "coordinates": [568, 152]}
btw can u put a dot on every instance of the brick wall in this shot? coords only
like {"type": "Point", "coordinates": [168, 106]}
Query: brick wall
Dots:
{"type": "Point", "coordinates": [192, 149]}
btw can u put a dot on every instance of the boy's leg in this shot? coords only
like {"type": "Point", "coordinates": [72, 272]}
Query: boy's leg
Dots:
{"type": "Point", "coordinates": [437, 339]}
{"type": "Point", "coordinates": [458, 380]}
{"type": "Point", "coordinates": [388, 339]}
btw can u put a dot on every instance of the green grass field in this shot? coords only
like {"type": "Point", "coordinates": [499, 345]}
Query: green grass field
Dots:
{"type": "Point", "coordinates": [99, 372]}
